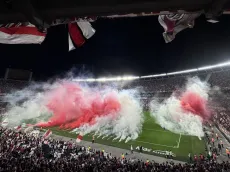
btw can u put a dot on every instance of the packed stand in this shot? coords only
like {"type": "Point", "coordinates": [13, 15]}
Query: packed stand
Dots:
{"type": "Point", "coordinates": [7, 86]}
{"type": "Point", "coordinates": [166, 84]}
{"type": "Point", "coordinates": [158, 85]}
{"type": "Point", "coordinates": [222, 118]}
{"type": "Point", "coordinates": [221, 110]}
{"type": "Point", "coordinates": [221, 79]}
{"type": "Point", "coordinates": [23, 152]}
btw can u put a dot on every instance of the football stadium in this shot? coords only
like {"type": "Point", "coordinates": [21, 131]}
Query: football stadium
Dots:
{"type": "Point", "coordinates": [154, 139]}
{"type": "Point", "coordinates": [159, 115]}
{"type": "Point", "coordinates": [115, 86]}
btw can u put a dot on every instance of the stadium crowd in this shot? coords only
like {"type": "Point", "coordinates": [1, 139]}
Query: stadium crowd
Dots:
{"type": "Point", "coordinates": [221, 110]}
{"type": "Point", "coordinates": [21, 152]}
{"type": "Point", "coordinates": [8, 85]}
{"type": "Point", "coordinates": [221, 79]}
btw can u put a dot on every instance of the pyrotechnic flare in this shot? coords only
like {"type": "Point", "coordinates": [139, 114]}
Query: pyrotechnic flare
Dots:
{"type": "Point", "coordinates": [83, 109]}
{"type": "Point", "coordinates": [186, 113]}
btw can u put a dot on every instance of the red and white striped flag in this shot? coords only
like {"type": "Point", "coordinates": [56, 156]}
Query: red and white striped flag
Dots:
{"type": "Point", "coordinates": [78, 33]}
{"type": "Point", "coordinates": [47, 134]}
{"type": "Point", "coordinates": [79, 137]}
{"type": "Point", "coordinates": [5, 122]}
{"type": "Point", "coordinates": [18, 128]}
{"type": "Point", "coordinates": [20, 34]}
{"type": "Point", "coordinates": [175, 23]}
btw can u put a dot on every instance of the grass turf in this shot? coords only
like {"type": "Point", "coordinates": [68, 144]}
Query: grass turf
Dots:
{"type": "Point", "coordinates": [152, 137]}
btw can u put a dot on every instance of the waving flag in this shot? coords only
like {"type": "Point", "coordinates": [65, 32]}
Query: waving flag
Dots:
{"type": "Point", "coordinates": [20, 33]}
{"type": "Point", "coordinates": [78, 33]}
{"type": "Point", "coordinates": [47, 134]}
{"type": "Point", "coordinates": [79, 137]}
{"type": "Point", "coordinates": [5, 122]}
{"type": "Point", "coordinates": [18, 128]}
{"type": "Point", "coordinates": [175, 23]}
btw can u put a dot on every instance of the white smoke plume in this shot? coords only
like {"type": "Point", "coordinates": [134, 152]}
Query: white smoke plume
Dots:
{"type": "Point", "coordinates": [30, 104]}
{"type": "Point", "coordinates": [195, 85]}
{"type": "Point", "coordinates": [170, 115]}
{"type": "Point", "coordinates": [127, 124]}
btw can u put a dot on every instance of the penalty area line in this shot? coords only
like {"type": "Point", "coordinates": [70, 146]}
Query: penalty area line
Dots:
{"type": "Point", "coordinates": [156, 130]}
{"type": "Point", "coordinates": [151, 144]}
{"type": "Point", "coordinates": [178, 142]}
{"type": "Point", "coordinates": [156, 144]}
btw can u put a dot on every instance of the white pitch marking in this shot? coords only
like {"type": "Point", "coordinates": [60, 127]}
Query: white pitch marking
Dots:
{"type": "Point", "coordinates": [176, 147]}
{"type": "Point", "coordinates": [153, 144]}
{"type": "Point", "coordinates": [155, 130]}
{"type": "Point", "coordinates": [178, 143]}
{"type": "Point", "coordinates": [156, 144]}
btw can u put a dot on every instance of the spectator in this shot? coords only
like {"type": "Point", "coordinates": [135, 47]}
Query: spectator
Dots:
{"type": "Point", "coordinates": [22, 152]}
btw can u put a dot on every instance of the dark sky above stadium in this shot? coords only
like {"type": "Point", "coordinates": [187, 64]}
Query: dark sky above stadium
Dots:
{"type": "Point", "coordinates": [132, 46]}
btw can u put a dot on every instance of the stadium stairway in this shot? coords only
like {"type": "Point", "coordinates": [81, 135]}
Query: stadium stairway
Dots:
{"type": "Point", "coordinates": [208, 77]}
{"type": "Point", "coordinates": [223, 156]}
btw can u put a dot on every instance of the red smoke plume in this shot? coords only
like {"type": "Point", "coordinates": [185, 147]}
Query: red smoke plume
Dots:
{"type": "Point", "coordinates": [194, 103]}
{"type": "Point", "coordinates": [72, 106]}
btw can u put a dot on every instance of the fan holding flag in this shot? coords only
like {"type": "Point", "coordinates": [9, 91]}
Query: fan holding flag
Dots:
{"type": "Point", "coordinates": [93, 139]}
{"type": "Point", "coordinates": [79, 137]}
{"type": "Point", "coordinates": [47, 134]}
{"type": "Point", "coordinates": [18, 128]}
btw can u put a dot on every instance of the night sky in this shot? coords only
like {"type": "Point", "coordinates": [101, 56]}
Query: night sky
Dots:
{"type": "Point", "coordinates": [133, 46]}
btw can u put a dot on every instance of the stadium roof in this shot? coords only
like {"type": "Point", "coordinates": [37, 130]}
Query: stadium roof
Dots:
{"type": "Point", "coordinates": [49, 10]}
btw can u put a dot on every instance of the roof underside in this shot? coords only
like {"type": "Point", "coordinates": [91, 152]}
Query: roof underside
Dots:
{"type": "Point", "coordinates": [53, 9]}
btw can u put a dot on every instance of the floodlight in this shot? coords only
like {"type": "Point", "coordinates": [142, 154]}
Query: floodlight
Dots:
{"type": "Point", "coordinates": [78, 80]}
{"type": "Point", "coordinates": [157, 75]}
{"type": "Point", "coordinates": [101, 79]}
{"type": "Point", "coordinates": [215, 66]}
{"type": "Point", "coordinates": [90, 80]}
{"type": "Point", "coordinates": [182, 71]}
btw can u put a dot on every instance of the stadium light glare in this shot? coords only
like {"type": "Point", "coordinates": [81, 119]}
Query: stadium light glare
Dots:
{"type": "Point", "coordinates": [101, 79]}
{"type": "Point", "coordinates": [157, 75]}
{"type": "Point", "coordinates": [206, 67]}
{"type": "Point", "coordinates": [78, 80]}
{"type": "Point", "coordinates": [153, 76]}
{"type": "Point", "coordinates": [104, 79]}
{"type": "Point", "coordinates": [223, 64]}
{"type": "Point", "coordinates": [215, 66]}
{"type": "Point", "coordinates": [126, 78]}
{"type": "Point", "coordinates": [147, 76]}
{"type": "Point", "coordinates": [183, 71]}
{"type": "Point", "coordinates": [118, 78]}
{"type": "Point", "coordinates": [90, 80]}
{"type": "Point", "coordinates": [130, 77]}
{"type": "Point", "coordinates": [134, 77]}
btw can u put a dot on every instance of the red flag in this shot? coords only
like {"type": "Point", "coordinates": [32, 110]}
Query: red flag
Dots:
{"type": "Point", "coordinates": [47, 134]}
{"type": "Point", "coordinates": [79, 137]}
{"type": "Point", "coordinates": [21, 34]}
{"type": "Point", "coordinates": [78, 33]}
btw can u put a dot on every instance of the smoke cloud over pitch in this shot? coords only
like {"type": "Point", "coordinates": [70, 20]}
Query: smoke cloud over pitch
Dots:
{"type": "Point", "coordinates": [185, 113]}
{"type": "Point", "coordinates": [69, 105]}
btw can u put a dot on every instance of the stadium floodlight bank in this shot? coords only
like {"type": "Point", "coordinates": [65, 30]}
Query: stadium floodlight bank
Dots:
{"type": "Point", "coordinates": [128, 78]}
{"type": "Point", "coordinates": [105, 79]}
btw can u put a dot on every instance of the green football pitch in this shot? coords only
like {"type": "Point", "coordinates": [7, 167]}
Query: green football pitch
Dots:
{"type": "Point", "coordinates": [154, 138]}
